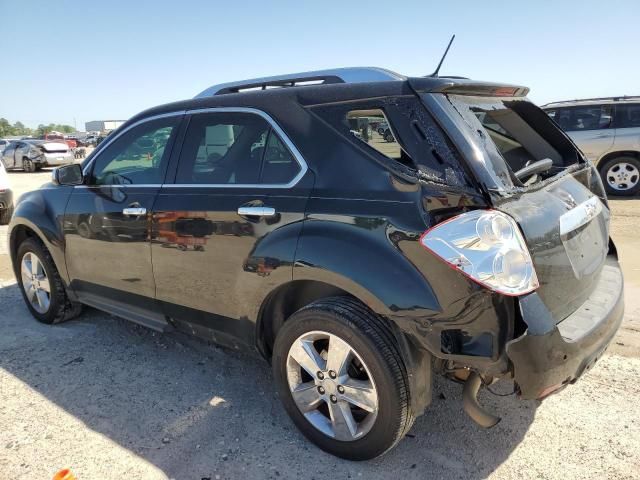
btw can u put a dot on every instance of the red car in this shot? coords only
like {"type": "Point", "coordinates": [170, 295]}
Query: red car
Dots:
{"type": "Point", "coordinates": [71, 142]}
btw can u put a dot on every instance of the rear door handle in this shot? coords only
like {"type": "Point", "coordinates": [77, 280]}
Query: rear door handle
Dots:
{"type": "Point", "coordinates": [134, 211]}
{"type": "Point", "coordinates": [257, 211]}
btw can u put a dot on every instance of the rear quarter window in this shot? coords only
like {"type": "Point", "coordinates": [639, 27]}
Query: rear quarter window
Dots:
{"type": "Point", "coordinates": [628, 116]}
{"type": "Point", "coordinates": [399, 133]}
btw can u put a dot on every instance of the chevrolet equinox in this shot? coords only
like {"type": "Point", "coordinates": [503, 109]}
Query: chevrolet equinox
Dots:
{"type": "Point", "coordinates": [470, 239]}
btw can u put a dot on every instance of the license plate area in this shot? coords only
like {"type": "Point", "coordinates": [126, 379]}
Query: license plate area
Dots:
{"type": "Point", "coordinates": [585, 236]}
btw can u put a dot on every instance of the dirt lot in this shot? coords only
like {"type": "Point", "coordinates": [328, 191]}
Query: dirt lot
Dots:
{"type": "Point", "coordinates": [110, 399]}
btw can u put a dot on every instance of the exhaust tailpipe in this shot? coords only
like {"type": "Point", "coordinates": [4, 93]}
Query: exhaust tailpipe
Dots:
{"type": "Point", "coordinates": [471, 405]}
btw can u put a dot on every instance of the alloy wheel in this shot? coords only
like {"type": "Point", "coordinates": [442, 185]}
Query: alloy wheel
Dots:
{"type": "Point", "coordinates": [623, 176]}
{"type": "Point", "coordinates": [35, 282]}
{"type": "Point", "coordinates": [332, 386]}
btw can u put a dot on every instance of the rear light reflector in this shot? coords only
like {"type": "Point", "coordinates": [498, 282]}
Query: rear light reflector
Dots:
{"type": "Point", "coordinates": [487, 247]}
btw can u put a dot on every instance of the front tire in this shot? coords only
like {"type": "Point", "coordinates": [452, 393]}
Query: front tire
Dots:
{"type": "Point", "coordinates": [341, 378]}
{"type": "Point", "coordinates": [41, 286]}
{"type": "Point", "coordinates": [5, 216]}
{"type": "Point", "coordinates": [621, 176]}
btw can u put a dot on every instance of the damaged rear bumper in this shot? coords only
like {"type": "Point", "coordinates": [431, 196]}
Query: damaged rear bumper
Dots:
{"type": "Point", "coordinates": [548, 356]}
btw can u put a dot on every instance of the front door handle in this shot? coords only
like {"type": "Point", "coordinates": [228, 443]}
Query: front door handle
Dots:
{"type": "Point", "coordinates": [134, 211]}
{"type": "Point", "coordinates": [257, 211]}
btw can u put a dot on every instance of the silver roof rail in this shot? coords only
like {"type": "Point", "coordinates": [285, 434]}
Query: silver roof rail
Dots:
{"type": "Point", "coordinates": [336, 75]}
{"type": "Point", "coordinates": [616, 98]}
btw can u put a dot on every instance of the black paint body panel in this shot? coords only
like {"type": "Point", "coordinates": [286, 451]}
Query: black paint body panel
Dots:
{"type": "Point", "coordinates": [352, 222]}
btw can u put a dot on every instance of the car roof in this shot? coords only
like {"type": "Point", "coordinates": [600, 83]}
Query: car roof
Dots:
{"type": "Point", "coordinates": [271, 91]}
{"type": "Point", "coordinates": [593, 101]}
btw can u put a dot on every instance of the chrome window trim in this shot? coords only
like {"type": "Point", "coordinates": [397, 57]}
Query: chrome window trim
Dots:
{"type": "Point", "coordinates": [124, 185]}
{"type": "Point", "coordinates": [283, 136]}
{"type": "Point", "coordinates": [103, 146]}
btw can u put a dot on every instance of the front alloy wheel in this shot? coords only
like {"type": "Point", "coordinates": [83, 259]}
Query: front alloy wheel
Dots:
{"type": "Point", "coordinates": [35, 282]}
{"type": "Point", "coordinates": [41, 285]}
{"type": "Point", "coordinates": [332, 386]}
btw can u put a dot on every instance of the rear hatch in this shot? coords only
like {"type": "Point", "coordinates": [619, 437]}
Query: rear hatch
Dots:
{"type": "Point", "coordinates": [561, 210]}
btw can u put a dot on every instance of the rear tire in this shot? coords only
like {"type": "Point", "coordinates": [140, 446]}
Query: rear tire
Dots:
{"type": "Point", "coordinates": [374, 364]}
{"type": "Point", "coordinates": [28, 165]}
{"type": "Point", "coordinates": [621, 176]}
{"type": "Point", "coordinates": [36, 273]}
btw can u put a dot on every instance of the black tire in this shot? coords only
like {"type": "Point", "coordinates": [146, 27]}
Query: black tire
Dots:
{"type": "Point", "coordinates": [367, 334]}
{"type": "Point", "coordinates": [28, 165]}
{"type": "Point", "coordinates": [609, 164]}
{"type": "Point", "coordinates": [60, 307]}
{"type": "Point", "coordinates": [5, 216]}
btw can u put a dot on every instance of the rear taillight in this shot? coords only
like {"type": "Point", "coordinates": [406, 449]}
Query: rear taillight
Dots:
{"type": "Point", "coordinates": [487, 246]}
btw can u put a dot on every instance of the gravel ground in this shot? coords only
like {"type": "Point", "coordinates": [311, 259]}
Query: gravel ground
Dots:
{"type": "Point", "coordinates": [110, 399]}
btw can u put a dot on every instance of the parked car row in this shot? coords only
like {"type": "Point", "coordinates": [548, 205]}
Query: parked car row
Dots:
{"type": "Point", "coordinates": [32, 155]}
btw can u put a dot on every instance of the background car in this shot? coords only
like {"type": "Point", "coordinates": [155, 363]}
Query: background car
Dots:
{"type": "Point", "coordinates": [32, 155]}
{"type": "Point", "coordinates": [68, 139]}
{"type": "Point", "coordinates": [6, 197]}
{"type": "Point", "coordinates": [607, 130]}
{"type": "Point", "coordinates": [3, 144]}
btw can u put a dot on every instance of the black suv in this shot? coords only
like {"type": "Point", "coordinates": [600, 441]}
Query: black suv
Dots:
{"type": "Point", "coordinates": [271, 214]}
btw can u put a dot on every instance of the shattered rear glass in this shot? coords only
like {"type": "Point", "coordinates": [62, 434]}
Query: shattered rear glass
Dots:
{"type": "Point", "coordinates": [513, 134]}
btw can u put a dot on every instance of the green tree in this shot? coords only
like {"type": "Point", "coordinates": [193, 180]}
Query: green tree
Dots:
{"type": "Point", "coordinates": [5, 128]}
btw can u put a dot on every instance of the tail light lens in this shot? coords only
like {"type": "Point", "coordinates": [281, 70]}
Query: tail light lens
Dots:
{"type": "Point", "coordinates": [486, 246]}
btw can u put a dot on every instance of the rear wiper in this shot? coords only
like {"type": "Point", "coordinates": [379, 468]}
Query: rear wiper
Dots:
{"type": "Point", "coordinates": [540, 166]}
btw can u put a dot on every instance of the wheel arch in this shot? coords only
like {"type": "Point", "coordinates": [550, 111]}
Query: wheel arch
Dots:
{"type": "Point", "coordinates": [620, 153]}
{"type": "Point", "coordinates": [296, 294]}
{"type": "Point", "coordinates": [35, 217]}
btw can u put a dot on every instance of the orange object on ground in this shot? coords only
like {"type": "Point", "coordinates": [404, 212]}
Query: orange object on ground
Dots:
{"type": "Point", "coordinates": [64, 475]}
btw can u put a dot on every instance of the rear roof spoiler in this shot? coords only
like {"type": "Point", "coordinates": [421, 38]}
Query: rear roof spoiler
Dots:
{"type": "Point", "coordinates": [463, 86]}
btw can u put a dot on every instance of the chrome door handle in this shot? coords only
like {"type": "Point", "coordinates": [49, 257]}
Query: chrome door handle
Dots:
{"type": "Point", "coordinates": [137, 211]}
{"type": "Point", "coordinates": [257, 211]}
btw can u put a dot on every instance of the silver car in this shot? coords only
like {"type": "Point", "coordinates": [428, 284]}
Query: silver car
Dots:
{"type": "Point", "coordinates": [32, 155]}
{"type": "Point", "coordinates": [6, 197]}
{"type": "Point", "coordinates": [607, 130]}
{"type": "Point", "coordinates": [3, 144]}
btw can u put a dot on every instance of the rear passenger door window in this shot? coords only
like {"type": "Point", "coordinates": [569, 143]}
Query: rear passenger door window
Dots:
{"type": "Point", "coordinates": [234, 148]}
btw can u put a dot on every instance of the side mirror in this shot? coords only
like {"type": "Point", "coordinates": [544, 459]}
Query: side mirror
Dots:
{"type": "Point", "coordinates": [68, 175]}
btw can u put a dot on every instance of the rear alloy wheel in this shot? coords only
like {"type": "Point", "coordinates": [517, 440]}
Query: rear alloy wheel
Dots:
{"type": "Point", "coordinates": [41, 285]}
{"type": "Point", "coordinates": [338, 397]}
{"type": "Point", "coordinates": [28, 165]}
{"type": "Point", "coordinates": [341, 378]}
{"type": "Point", "coordinates": [621, 176]}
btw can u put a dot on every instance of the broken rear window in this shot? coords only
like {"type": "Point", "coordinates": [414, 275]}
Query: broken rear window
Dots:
{"type": "Point", "coordinates": [515, 134]}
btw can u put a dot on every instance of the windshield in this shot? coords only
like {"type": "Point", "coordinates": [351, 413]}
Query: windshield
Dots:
{"type": "Point", "coordinates": [515, 134]}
